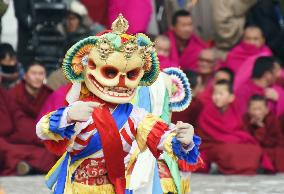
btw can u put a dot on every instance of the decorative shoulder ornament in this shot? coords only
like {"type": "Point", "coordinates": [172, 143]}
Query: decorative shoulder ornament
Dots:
{"type": "Point", "coordinates": [181, 91]}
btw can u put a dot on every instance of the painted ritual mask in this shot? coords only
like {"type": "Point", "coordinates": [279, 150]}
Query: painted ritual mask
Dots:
{"type": "Point", "coordinates": [113, 64]}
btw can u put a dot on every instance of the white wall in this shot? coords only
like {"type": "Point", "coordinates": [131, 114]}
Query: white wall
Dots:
{"type": "Point", "coordinates": [9, 26]}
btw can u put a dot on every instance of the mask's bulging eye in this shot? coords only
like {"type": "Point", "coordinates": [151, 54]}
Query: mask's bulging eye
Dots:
{"type": "Point", "coordinates": [133, 74]}
{"type": "Point", "coordinates": [91, 64]}
{"type": "Point", "coordinates": [109, 72]}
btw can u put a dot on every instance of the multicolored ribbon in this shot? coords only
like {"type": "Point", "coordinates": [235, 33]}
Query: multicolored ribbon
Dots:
{"type": "Point", "coordinates": [59, 173]}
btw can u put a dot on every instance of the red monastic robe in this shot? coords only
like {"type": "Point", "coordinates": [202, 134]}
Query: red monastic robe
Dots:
{"type": "Point", "coordinates": [30, 105]}
{"type": "Point", "coordinates": [242, 52]}
{"type": "Point", "coordinates": [225, 143]}
{"type": "Point", "coordinates": [269, 137]}
{"type": "Point", "coordinates": [18, 140]}
{"type": "Point", "coordinates": [189, 57]}
{"type": "Point", "coordinates": [249, 89]}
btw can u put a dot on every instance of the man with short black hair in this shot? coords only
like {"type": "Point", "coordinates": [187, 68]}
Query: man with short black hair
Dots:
{"type": "Point", "coordinates": [185, 44]}
{"type": "Point", "coordinates": [263, 78]}
{"type": "Point", "coordinates": [31, 93]}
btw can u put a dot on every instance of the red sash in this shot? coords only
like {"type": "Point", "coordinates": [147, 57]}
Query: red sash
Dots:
{"type": "Point", "coordinates": [112, 147]}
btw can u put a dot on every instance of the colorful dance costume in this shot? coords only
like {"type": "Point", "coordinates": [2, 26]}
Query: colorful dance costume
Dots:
{"type": "Point", "coordinates": [107, 69]}
{"type": "Point", "coordinates": [169, 93]}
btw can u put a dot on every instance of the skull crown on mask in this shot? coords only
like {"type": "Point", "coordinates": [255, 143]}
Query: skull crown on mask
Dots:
{"type": "Point", "coordinates": [113, 64]}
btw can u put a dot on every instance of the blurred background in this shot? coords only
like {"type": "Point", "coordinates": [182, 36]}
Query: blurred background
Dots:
{"type": "Point", "coordinates": [232, 52]}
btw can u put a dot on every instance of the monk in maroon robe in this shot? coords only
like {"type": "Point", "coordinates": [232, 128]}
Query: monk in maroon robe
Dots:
{"type": "Point", "coordinates": [31, 93]}
{"type": "Point", "coordinates": [18, 141]}
{"type": "Point", "coordinates": [262, 83]}
{"type": "Point", "coordinates": [252, 45]}
{"type": "Point", "coordinates": [266, 128]}
{"type": "Point", "coordinates": [185, 45]}
{"type": "Point", "coordinates": [222, 73]}
{"type": "Point", "coordinates": [223, 141]}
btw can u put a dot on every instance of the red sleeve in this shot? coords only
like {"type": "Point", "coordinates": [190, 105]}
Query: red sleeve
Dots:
{"type": "Point", "coordinates": [57, 148]}
{"type": "Point", "coordinates": [154, 137]}
{"type": "Point", "coordinates": [186, 167]}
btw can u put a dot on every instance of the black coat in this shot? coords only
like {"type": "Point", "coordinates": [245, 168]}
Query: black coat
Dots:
{"type": "Point", "coordinates": [265, 16]}
{"type": "Point", "coordinates": [23, 12]}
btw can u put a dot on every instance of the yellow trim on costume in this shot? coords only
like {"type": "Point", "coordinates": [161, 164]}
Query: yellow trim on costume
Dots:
{"type": "Point", "coordinates": [144, 128]}
{"type": "Point", "coordinates": [127, 178]}
{"type": "Point", "coordinates": [55, 166]}
{"type": "Point", "coordinates": [185, 186]}
{"type": "Point", "coordinates": [45, 128]}
{"type": "Point", "coordinates": [92, 189]}
{"type": "Point", "coordinates": [168, 146]}
{"type": "Point", "coordinates": [68, 184]}
{"type": "Point", "coordinates": [168, 185]}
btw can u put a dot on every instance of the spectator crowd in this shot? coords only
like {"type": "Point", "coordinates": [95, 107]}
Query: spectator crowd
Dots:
{"type": "Point", "coordinates": [231, 51]}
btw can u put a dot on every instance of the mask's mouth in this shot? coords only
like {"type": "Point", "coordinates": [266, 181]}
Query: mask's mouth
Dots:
{"type": "Point", "coordinates": [112, 91]}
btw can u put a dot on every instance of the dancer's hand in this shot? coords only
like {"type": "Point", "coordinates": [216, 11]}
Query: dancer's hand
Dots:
{"type": "Point", "coordinates": [81, 111]}
{"type": "Point", "coordinates": [184, 132]}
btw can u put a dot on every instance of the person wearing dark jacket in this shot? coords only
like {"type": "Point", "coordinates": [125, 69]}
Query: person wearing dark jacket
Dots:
{"type": "Point", "coordinates": [269, 16]}
{"type": "Point", "coordinates": [23, 12]}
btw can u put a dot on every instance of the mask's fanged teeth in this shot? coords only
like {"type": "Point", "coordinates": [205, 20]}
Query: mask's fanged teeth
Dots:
{"type": "Point", "coordinates": [113, 91]}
